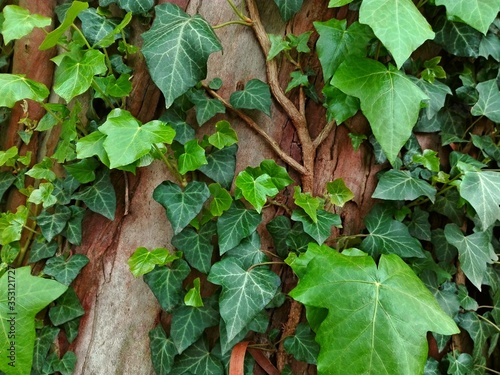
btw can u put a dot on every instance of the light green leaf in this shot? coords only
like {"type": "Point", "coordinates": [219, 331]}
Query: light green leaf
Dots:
{"type": "Point", "coordinates": [224, 136]}
{"type": "Point", "coordinates": [347, 41]}
{"type": "Point", "coordinates": [338, 192]}
{"type": "Point", "coordinates": [6, 181]}
{"type": "Point", "coordinates": [18, 22]}
{"type": "Point", "coordinates": [288, 8]}
{"type": "Point", "coordinates": [182, 206]}
{"type": "Point", "coordinates": [391, 104]}
{"type": "Point", "coordinates": [278, 44]}
{"type": "Point", "coordinates": [302, 345]}
{"type": "Point", "coordinates": [11, 225]}
{"type": "Point", "coordinates": [400, 185]}
{"type": "Point", "coordinates": [193, 296]}
{"type": "Point", "coordinates": [339, 106]}
{"type": "Point", "coordinates": [256, 95]}
{"type": "Point", "coordinates": [308, 203]}
{"type": "Point", "coordinates": [192, 158]}
{"type": "Point", "coordinates": [55, 36]}
{"type": "Point", "coordinates": [134, 6]}
{"type": "Point", "coordinates": [477, 13]}
{"type": "Point", "coordinates": [299, 42]}
{"type": "Point", "coordinates": [244, 293]}
{"type": "Point", "coordinates": [279, 175]}
{"type": "Point", "coordinates": [143, 261]}
{"type": "Point", "coordinates": [100, 197]}
{"type": "Point", "coordinates": [474, 252]}
{"type": "Point", "coordinates": [419, 226]}
{"type": "Point", "coordinates": [67, 308]}
{"type": "Point", "coordinates": [482, 191]}
{"type": "Point", "coordinates": [234, 225]}
{"type": "Point", "coordinates": [127, 140]}
{"type": "Point", "coordinates": [65, 270]}
{"type": "Point", "coordinates": [322, 228]}
{"type": "Point", "coordinates": [43, 195]}
{"type": "Point", "coordinates": [166, 283]}
{"type": "Point", "coordinates": [338, 3]}
{"type": "Point", "coordinates": [298, 79]}
{"type": "Point", "coordinates": [255, 188]}
{"type": "Point", "coordinates": [398, 24]}
{"type": "Point", "coordinates": [83, 170]}
{"type": "Point", "coordinates": [380, 337]}
{"type": "Point", "coordinates": [489, 97]}
{"type": "Point", "coordinates": [32, 294]}
{"type": "Point", "coordinates": [221, 165]}
{"type": "Point", "coordinates": [107, 40]}
{"type": "Point", "coordinates": [176, 49]}
{"type": "Point", "coordinates": [197, 360]}
{"type": "Point", "coordinates": [15, 87]}
{"type": "Point", "coordinates": [221, 199]}
{"type": "Point", "coordinates": [92, 144]}
{"type": "Point", "coordinates": [162, 349]}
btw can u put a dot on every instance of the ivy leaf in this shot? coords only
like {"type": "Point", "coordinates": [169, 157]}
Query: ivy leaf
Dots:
{"type": "Point", "coordinates": [176, 49]}
{"type": "Point", "coordinates": [477, 329]}
{"type": "Point", "coordinates": [73, 77]}
{"type": "Point", "coordinates": [477, 13]}
{"type": "Point", "coordinates": [380, 336]}
{"type": "Point", "coordinates": [32, 295]}
{"type": "Point", "coordinates": [96, 26]}
{"type": "Point", "coordinates": [197, 360]}
{"type": "Point", "coordinates": [339, 106]}
{"type": "Point", "coordinates": [41, 249]}
{"type": "Point", "coordinates": [256, 95]}
{"type": "Point", "coordinates": [19, 22]}
{"type": "Point", "coordinates": [127, 140]}
{"type": "Point", "coordinates": [474, 252]}
{"type": "Point", "coordinates": [391, 105]}
{"type": "Point", "coordinates": [92, 144]}
{"type": "Point", "coordinates": [182, 206]}
{"type": "Point", "coordinates": [67, 308]}
{"type": "Point", "coordinates": [255, 188]}
{"type": "Point", "coordinates": [100, 197]}
{"type": "Point", "coordinates": [288, 8]}
{"type": "Point", "coordinates": [134, 6]}
{"type": "Point", "coordinates": [44, 339]}
{"type": "Point", "coordinates": [490, 46]}
{"type": "Point", "coordinates": [248, 252]}
{"type": "Point", "coordinates": [143, 261]}
{"type": "Point", "coordinates": [298, 79]}
{"type": "Point", "coordinates": [400, 185]}
{"type": "Point", "coordinates": [489, 97]}
{"type": "Point", "coordinates": [388, 236]}
{"type": "Point", "coordinates": [224, 136]}
{"type": "Point", "coordinates": [6, 181]}
{"type": "Point", "coordinates": [398, 24]}
{"type": "Point", "coordinates": [206, 108]}
{"type": "Point", "coordinates": [436, 92]}
{"type": "Point", "coordinates": [65, 270]}
{"type": "Point", "coordinates": [322, 228]}
{"type": "Point", "coordinates": [162, 349]}
{"type": "Point", "coordinates": [278, 44]}
{"type": "Point", "coordinates": [482, 191]}
{"type": "Point", "coordinates": [166, 283]}
{"type": "Point", "coordinates": [419, 226]}
{"type": "Point", "coordinates": [83, 170]}
{"type": "Point", "coordinates": [192, 158]}
{"type": "Point", "coordinates": [188, 323]}
{"type": "Point", "coordinates": [302, 345]}
{"type": "Point", "coordinates": [278, 228]}
{"type": "Point", "coordinates": [460, 364]}
{"type": "Point", "coordinates": [221, 199]}
{"type": "Point", "coordinates": [221, 165]}
{"type": "Point", "coordinates": [457, 38]}
{"type": "Point", "coordinates": [244, 293]}
{"type": "Point", "coordinates": [338, 3]}
{"type": "Point", "coordinates": [279, 175]}
{"type": "Point", "coordinates": [66, 365]}
{"type": "Point", "coordinates": [338, 192]}
{"type": "Point", "coordinates": [234, 225]}
{"type": "Point", "coordinates": [15, 87]}
{"type": "Point", "coordinates": [308, 203]}
{"type": "Point", "coordinates": [51, 224]}
{"type": "Point", "coordinates": [197, 246]}
{"type": "Point", "coordinates": [348, 41]}
{"type": "Point", "coordinates": [193, 296]}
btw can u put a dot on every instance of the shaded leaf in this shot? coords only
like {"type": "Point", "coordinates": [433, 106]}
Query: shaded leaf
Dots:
{"type": "Point", "coordinates": [255, 187]}
{"type": "Point", "coordinates": [197, 360]}
{"type": "Point", "coordinates": [339, 106]}
{"type": "Point", "coordinates": [279, 227]}
{"type": "Point", "coordinates": [143, 261]}
{"type": "Point", "coordinates": [65, 270]}
{"type": "Point", "coordinates": [288, 8]}
{"type": "Point", "coordinates": [162, 349]}
{"type": "Point", "coordinates": [255, 95]}
{"type": "Point", "coordinates": [225, 135]}
{"type": "Point", "coordinates": [457, 38]}
{"type": "Point", "coordinates": [322, 228]}
{"type": "Point", "coordinates": [68, 307]}
{"type": "Point", "coordinates": [100, 197]}
{"type": "Point", "coordinates": [51, 224]}
{"type": "Point", "coordinates": [44, 340]}
{"type": "Point", "coordinates": [66, 365]}
{"type": "Point", "coordinates": [192, 158]}
{"type": "Point", "coordinates": [221, 165]}
{"type": "Point", "coordinates": [248, 252]}
{"type": "Point", "coordinates": [302, 345]}
{"type": "Point", "coordinates": [489, 97]}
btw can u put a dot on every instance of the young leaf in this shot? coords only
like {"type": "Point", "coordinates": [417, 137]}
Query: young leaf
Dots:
{"type": "Point", "coordinates": [93, 144]}
{"type": "Point", "coordinates": [41, 249]}
{"type": "Point", "coordinates": [221, 199]}
{"type": "Point", "coordinates": [182, 206]}
{"type": "Point", "coordinates": [338, 192]}
{"type": "Point", "coordinates": [278, 44]}
{"type": "Point", "coordinates": [298, 79]}
{"type": "Point", "coordinates": [65, 270]}
{"type": "Point", "coordinates": [489, 97]}
{"type": "Point", "coordinates": [256, 95]}
{"type": "Point", "coordinates": [400, 185]}
{"type": "Point", "coordinates": [68, 307]}
{"type": "Point", "coordinates": [176, 49]}
{"type": "Point", "coordinates": [339, 106]}
{"type": "Point", "coordinates": [391, 105]}
{"type": "Point", "coordinates": [192, 158]}
{"type": "Point", "coordinates": [15, 87]}
{"type": "Point", "coordinates": [279, 175]}
{"type": "Point", "coordinates": [244, 293]}
{"type": "Point", "coordinates": [44, 340]}
{"type": "Point", "coordinates": [308, 203]}
{"type": "Point", "coordinates": [288, 8]}
{"type": "Point", "coordinates": [18, 22]}
{"type": "Point", "coordinates": [398, 24]}
{"type": "Point", "coordinates": [474, 252]}
{"type": "Point", "coordinates": [32, 295]}
{"type": "Point", "coordinates": [322, 228]}
{"type": "Point", "coordinates": [278, 228]}
{"type": "Point", "coordinates": [225, 135]}
{"type": "Point", "coordinates": [193, 296]}
{"type": "Point", "coordinates": [66, 365]}
{"type": "Point", "coordinates": [162, 349]}
{"type": "Point", "coordinates": [43, 195]}
{"type": "Point", "coordinates": [302, 345]}
{"type": "Point", "coordinates": [380, 336]}
{"type": "Point", "coordinates": [143, 261]}
{"type": "Point", "coordinates": [460, 364]}
{"type": "Point", "coordinates": [255, 188]}
{"type": "Point", "coordinates": [100, 197]}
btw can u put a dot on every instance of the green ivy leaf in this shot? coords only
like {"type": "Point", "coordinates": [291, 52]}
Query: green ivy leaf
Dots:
{"type": "Point", "coordinates": [100, 197]}
{"type": "Point", "coordinates": [182, 206]}
{"type": "Point", "coordinates": [74, 77]}
{"type": "Point", "coordinates": [73, 230]}
{"type": "Point", "coordinates": [489, 97]}
{"type": "Point", "coordinates": [248, 252]}
{"type": "Point", "coordinates": [32, 295]}
{"type": "Point", "coordinates": [176, 49]}
{"type": "Point", "coordinates": [477, 329]}
{"type": "Point", "coordinates": [221, 199]}
{"type": "Point", "coordinates": [380, 336]}
{"type": "Point", "coordinates": [44, 339]}
{"type": "Point", "coordinates": [83, 170]}
{"type": "Point", "coordinates": [398, 24]}
{"type": "Point", "coordinates": [429, 159]}
{"type": "Point", "coordinates": [339, 106]}
{"type": "Point", "coordinates": [15, 87]}
{"type": "Point", "coordinates": [65, 270]}
{"type": "Point", "coordinates": [436, 92]}
{"type": "Point", "coordinates": [474, 252]}
{"type": "Point", "coordinates": [188, 323]}
{"type": "Point", "coordinates": [53, 223]}
{"type": "Point", "coordinates": [391, 105]}
{"type": "Point", "coordinates": [302, 345]}
{"type": "Point", "coordinates": [388, 236]}
{"type": "Point", "coordinates": [460, 364]}
{"type": "Point", "coordinates": [127, 140]}
{"type": "Point", "coordinates": [278, 228]}
{"type": "Point", "coordinates": [244, 292]}
{"type": "Point", "coordinates": [66, 365]}
{"type": "Point", "coordinates": [18, 22]}
{"type": "Point", "coordinates": [93, 144]}
{"type": "Point", "coordinates": [482, 191]}
{"type": "Point", "coordinates": [197, 246]}
{"type": "Point", "coordinates": [205, 108]}
{"type": "Point", "coordinates": [197, 360]}
{"type": "Point", "coordinates": [279, 175]}
{"type": "Point", "coordinates": [278, 45]}
{"type": "Point", "coordinates": [258, 324]}
{"type": "Point", "coordinates": [477, 13]}
{"type": "Point", "coordinates": [490, 46]}
{"type": "Point", "coordinates": [143, 261]}
{"type": "Point", "coordinates": [162, 349]}
{"type": "Point", "coordinates": [308, 203]}
{"type": "Point", "coordinates": [192, 158]}
{"type": "Point", "coordinates": [400, 185]}
{"type": "Point", "coordinates": [234, 225]}
{"type": "Point", "coordinates": [288, 8]}
{"type": "Point", "coordinates": [338, 192]}
{"type": "Point", "coordinates": [166, 283]}
{"type": "Point", "coordinates": [255, 187]}
{"type": "Point", "coordinates": [43, 195]}
{"type": "Point", "coordinates": [457, 38]}
{"type": "Point", "coordinates": [96, 26]}
{"type": "Point", "coordinates": [298, 79]}
{"type": "Point", "coordinates": [338, 3]}
{"type": "Point", "coordinates": [348, 41]}
{"type": "Point", "coordinates": [134, 6]}
{"type": "Point", "coordinates": [41, 249]}
{"type": "Point", "coordinates": [419, 226]}
{"type": "Point", "coordinates": [68, 307]}
{"type": "Point", "coordinates": [225, 135]}
{"type": "Point", "coordinates": [256, 95]}
{"type": "Point", "coordinates": [193, 296]}
{"type": "Point", "coordinates": [322, 228]}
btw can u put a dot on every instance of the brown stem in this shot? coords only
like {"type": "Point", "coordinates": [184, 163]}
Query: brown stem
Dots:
{"type": "Point", "coordinates": [323, 134]}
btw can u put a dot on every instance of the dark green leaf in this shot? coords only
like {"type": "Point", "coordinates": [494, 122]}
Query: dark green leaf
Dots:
{"type": "Point", "coordinates": [401, 185]}
{"type": "Point", "coordinates": [197, 360]}
{"type": "Point", "coordinates": [134, 6]}
{"type": "Point", "coordinates": [52, 224]}
{"type": "Point", "coordinates": [176, 49]}
{"type": "Point", "coordinates": [256, 95]}
{"type": "Point", "coordinates": [302, 345]}
{"type": "Point", "coordinates": [297, 239]}
{"type": "Point", "coordinates": [467, 302]}
{"type": "Point", "coordinates": [279, 227]}
{"type": "Point", "coordinates": [74, 225]}
{"type": "Point", "coordinates": [95, 26]}
{"type": "Point", "coordinates": [100, 197]}
{"type": "Point", "coordinates": [489, 97]}
{"type": "Point", "coordinates": [449, 206]}
{"type": "Point", "coordinates": [248, 252]}
{"type": "Point", "coordinates": [457, 38]}
{"type": "Point", "coordinates": [288, 8]}
{"type": "Point", "coordinates": [258, 324]}
{"type": "Point", "coordinates": [193, 295]}
{"type": "Point", "coordinates": [42, 249]}
{"type": "Point", "coordinates": [339, 106]}
{"type": "Point", "coordinates": [65, 270]}
{"type": "Point", "coordinates": [221, 165]}
{"type": "Point", "coordinates": [460, 363]}
{"type": "Point", "coordinates": [322, 228]}
{"type": "Point", "coordinates": [207, 108]}
{"type": "Point", "coordinates": [490, 46]}
{"type": "Point", "coordinates": [66, 366]}
{"type": "Point", "coordinates": [182, 206]}
{"type": "Point", "coordinates": [44, 340]}
{"type": "Point", "coordinates": [6, 180]}
{"type": "Point", "coordinates": [71, 329]}
{"type": "Point", "coordinates": [163, 351]}
{"type": "Point", "coordinates": [67, 308]}
{"type": "Point", "coordinates": [419, 226]}
{"type": "Point", "coordinates": [485, 143]}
